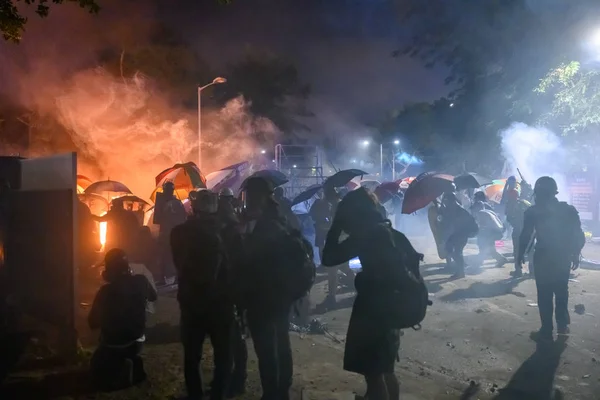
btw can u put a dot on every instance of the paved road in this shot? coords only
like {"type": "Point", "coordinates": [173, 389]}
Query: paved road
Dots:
{"type": "Point", "coordinates": [478, 330]}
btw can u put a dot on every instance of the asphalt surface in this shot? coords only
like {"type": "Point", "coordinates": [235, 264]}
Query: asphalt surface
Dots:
{"type": "Point", "coordinates": [476, 336]}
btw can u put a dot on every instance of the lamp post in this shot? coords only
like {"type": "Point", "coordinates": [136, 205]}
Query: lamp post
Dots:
{"type": "Point", "coordinates": [366, 143]}
{"type": "Point", "coordinates": [215, 81]}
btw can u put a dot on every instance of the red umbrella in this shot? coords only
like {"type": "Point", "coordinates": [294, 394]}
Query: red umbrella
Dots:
{"type": "Point", "coordinates": [424, 189]}
{"type": "Point", "coordinates": [386, 191]}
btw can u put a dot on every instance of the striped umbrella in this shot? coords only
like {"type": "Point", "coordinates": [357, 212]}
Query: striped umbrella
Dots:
{"type": "Point", "coordinates": [186, 177]}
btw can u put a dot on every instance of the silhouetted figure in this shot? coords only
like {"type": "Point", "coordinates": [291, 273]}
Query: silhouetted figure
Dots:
{"type": "Point", "coordinates": [490, 229]}
{"type": "Point", "coordinates": [122, 227]}
{"type": "Point", "coordinates": [285, 207]}
{"type": "Point", "coordinates": [119, 311]}
{"type": "Point", "coordinates": [261, 282]}
{"type": "Point", "coordinates": [204, 295]}
{"type": "Point", "coordinates": [371, 345]}
{"type": "Point", "coordinates": [458, 226]}
{"type": "Point", "coordinates": [559, 241]}
{"type": "Point", "coordinates": [172, 213]}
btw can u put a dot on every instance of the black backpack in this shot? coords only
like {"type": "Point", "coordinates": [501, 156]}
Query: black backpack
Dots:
{"type": "Point", "coordinates": [407, 303]}
{"type": "Point", "coordinates": [298, 269]}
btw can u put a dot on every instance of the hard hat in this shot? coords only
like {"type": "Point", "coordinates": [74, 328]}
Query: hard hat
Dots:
{"type": "Point", "coordinates": [226, 192]}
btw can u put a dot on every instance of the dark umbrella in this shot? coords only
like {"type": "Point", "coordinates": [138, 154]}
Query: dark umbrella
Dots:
{"type": "Point", "coordinates": [424, 189]}
{"type": "Point", "coordinates": [307, 194]}
{"type": "Point", "coordinates": [386, 191]}
{"type": "Point", "coordinates": [341, 178]}
{"type": "Point", "coordinates": [275, 177]}
{"type": "Point", "coordinates": [133, 199]}
{"type": "Point", "coordinates": [470, 181]}
{"type": "Point", "coordinates": [106, 186]}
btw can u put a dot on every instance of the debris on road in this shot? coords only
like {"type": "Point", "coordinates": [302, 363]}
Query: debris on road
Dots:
{"type": "Point", "coordinates": [579, 309]}
{"type": "Point", "coordinates": [532, 304]}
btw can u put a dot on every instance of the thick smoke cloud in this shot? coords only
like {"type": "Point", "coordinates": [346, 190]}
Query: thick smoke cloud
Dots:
{"type": "Point", "coordinates": [536, 152]}
{"type": "Point", "coordinates": [123, 128]}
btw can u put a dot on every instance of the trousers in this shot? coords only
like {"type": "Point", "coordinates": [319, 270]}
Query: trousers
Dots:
{"type": "Point", "coordinates": [270, 334]}
{"type": "Point", "coordinates": [218, 327]}
{"type": "Point", "coordinates": [552, 282]}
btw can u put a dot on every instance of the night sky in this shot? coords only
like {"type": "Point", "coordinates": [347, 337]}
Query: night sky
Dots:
{"type": "Point", "coordinates": [341, 47]}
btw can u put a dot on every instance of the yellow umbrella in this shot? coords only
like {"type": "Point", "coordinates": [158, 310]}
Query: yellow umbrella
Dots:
{"type": "Point", "coordinates": [181, 193]}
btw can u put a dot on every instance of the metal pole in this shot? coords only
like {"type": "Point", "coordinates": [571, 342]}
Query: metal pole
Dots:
{"type": "Point", "coordinates": [393, 165]}
{"type": "Point", "coordinates": [381, 160]}
{"type": "Point", "coordinates": [199, 129]}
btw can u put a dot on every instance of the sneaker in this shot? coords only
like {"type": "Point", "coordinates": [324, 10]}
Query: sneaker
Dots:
{"type": "Point", "coordinates": [563, 330]}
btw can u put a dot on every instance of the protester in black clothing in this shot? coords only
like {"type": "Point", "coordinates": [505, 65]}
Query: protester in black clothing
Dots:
{"type": "Point", "coordinates": [322, 212]}
{"type": "Point", "coordinates": [122, 227]}
{"type": "Point", "coordinates": [459, 226]}
{"type": "Point", "coordinates": [200, 258]}
{"type": "Point", "coordinates": [119, 311]}
{"type": "Point", "coordinates": [559, 241]}
{"type": "Point", "coordinates": [267, 307]}
{"type": "Point", "coordinates": [285, 207]}
{"type": "Point", "coordinates": [371, 345]}
{"type": "Point", "coordinates": [231, 235]}
{"type": "Point", "coordinates": [490, 229]}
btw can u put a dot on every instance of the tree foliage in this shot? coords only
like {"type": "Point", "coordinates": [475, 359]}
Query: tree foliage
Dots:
{"type": "Point", "coordinates": [273, 88]}
{"type": "Point", "coordinates": [12, 22]}
{"type": "Point", "coordinates": [573, 94]}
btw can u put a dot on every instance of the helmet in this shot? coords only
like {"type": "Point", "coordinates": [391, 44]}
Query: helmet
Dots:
{"type": "Point", "coordinates": [204, 201]}
{"type": "Point", "coordinates": [115, 264]}
{"type": "Point", "coordinates": [168, 186]}
{"type": "Point", "coordinates": [545, 186]}
{"type": "Point", "coordinates": [226, 192]}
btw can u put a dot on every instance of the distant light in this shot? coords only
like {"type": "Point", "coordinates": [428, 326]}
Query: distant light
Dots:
{"type": "Point", "coordinates": [396, 142]}
{"type": "Point", "coordinates": [365, 143]}
{"type": "Point", "coordinates": [294, 165]}
{"type": "Point", "coordinates": [263, 151]}
{"type": "Point", "coordinates": [219, 79]}
{"type": "Point", "coordinates": [451, 105]}
{"type": "Point", "coordinates": [353, 161]}
{"type": "Point", "coordinates": [273, 160]}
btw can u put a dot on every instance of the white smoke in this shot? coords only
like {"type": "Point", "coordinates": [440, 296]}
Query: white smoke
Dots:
{"type": "Point", "coordinates": [536, 152]}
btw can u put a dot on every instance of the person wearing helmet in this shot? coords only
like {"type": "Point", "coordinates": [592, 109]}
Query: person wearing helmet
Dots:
{"type": "Point", "coordinates": [264, 286]}
{"type": "Point", "coordinates": [515, 213]}
{"type": "Point", "coordinates": [171, 213]}
{"type": "Point", "coordinates": [204, 294]}
{"type": "Point", "coordinates": [119, 311]}
{"type": "Point", "coordinates": [559, 239]}
{"type": "Point", "coordinates": [458, 226]}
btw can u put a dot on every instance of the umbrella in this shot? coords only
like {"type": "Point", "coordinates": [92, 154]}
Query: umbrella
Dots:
{"type": "Point", "coordinates": [102, 187]}
{"type": "Point", "coordinates": [275, 177]}
{"type": "Point", "coordinates": [351, 185]}
{"type": "Point", "coordinates": [97, 204]}
{"type": "Point", "coordinates": [307, 194]}
{"type": "Point", "coordinates": [133, 199]}
{"type": "Point", "coordinates": [386, 191]}
{"type": "Point", "coordinates": [370, 184]}
{"type": "Point", "coordinates": [494, 191]}
{"type": "Point", "coordinates": [424, 189]}
{"type": "Point", "coordinates": [216, 178]}
{"type": "Point", "coordinates": [82, 183]}
{"type": "Point", "coordinates": [470, 181]}
{"type": "Point", "coordinates": [187, 174]}
{"type": "Point", "coordinates": [341, 178]}
{"type": "Point", "coordinates": [186, 177]}
{"type": "Point", "coordinates": [405, 182]}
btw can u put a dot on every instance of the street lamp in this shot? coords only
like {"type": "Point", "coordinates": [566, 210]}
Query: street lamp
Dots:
{"type": "Point", "coordinates": [396, 143]}
{"type": "Point", "coordinates": [263, 151]}
{"type": "Point", "coordinates": [215, 81]}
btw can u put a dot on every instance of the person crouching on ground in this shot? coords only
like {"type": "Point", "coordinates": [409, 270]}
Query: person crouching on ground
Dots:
{"type": "Point", "coordinates": [371, 345]}
{"type": "Point", "coordinates": [119, 311]}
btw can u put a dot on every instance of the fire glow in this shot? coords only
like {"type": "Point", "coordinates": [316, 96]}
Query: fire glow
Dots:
{"type": "Point", "coordinates": [102, 231]}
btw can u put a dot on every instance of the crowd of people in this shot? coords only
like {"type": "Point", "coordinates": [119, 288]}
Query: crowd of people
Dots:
{"type": "Point", "coordinates": [240, 270]}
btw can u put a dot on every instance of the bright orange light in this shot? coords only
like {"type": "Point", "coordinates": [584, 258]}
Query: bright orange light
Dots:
{"type": "Point", "coordinates": [103, 233]}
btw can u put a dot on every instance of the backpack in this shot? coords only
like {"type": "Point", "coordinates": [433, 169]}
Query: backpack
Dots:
{"type": "Point", "coordinates": [489, 221]}
{"type": "Point", "coordinates": [559, 227]}
{"type": "Point", "coordinates": [406, 305]}
{"type": "Point", "coordinates": [298, 266]}
{"type": "Point", "coordinates": [199, 257]}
